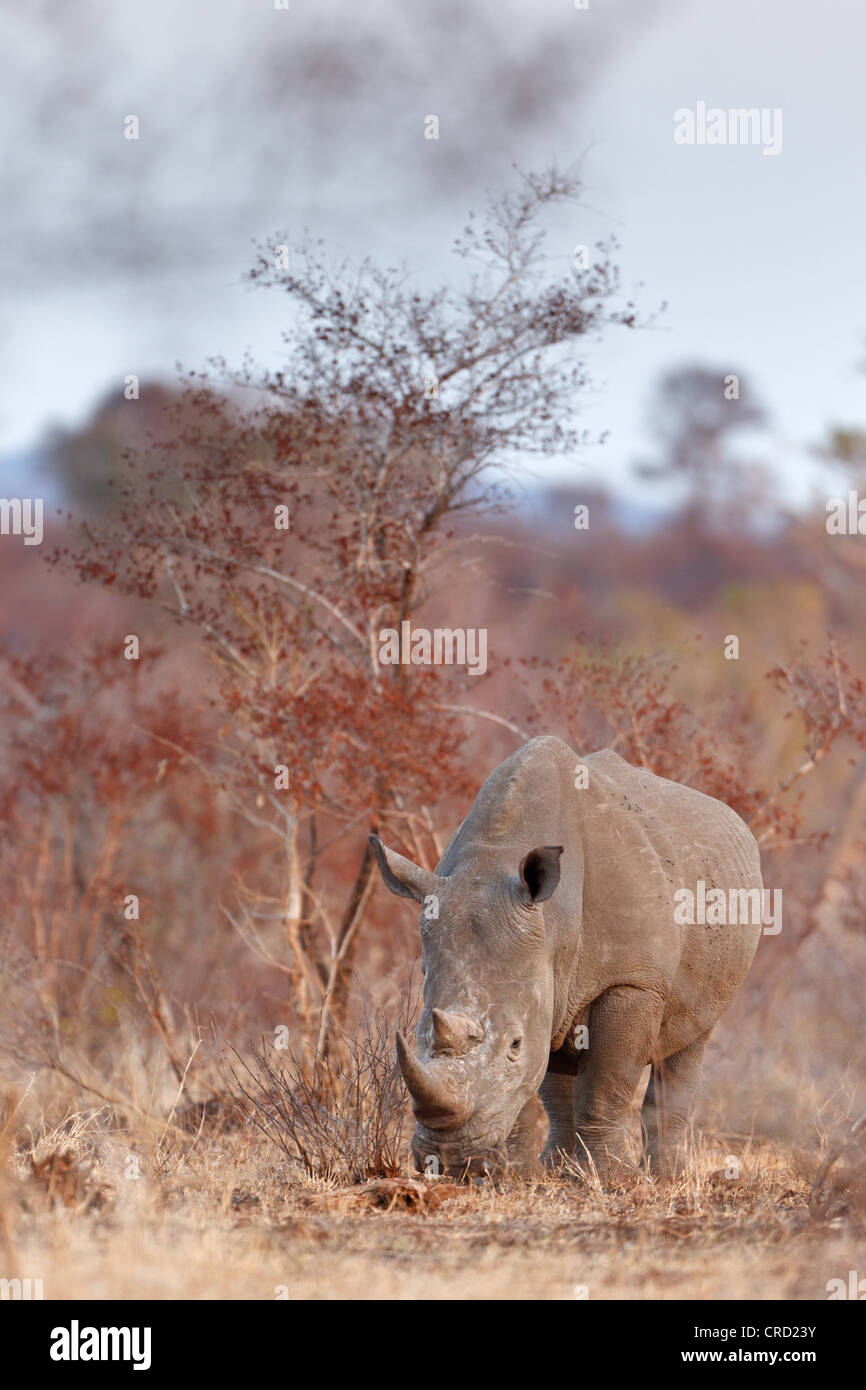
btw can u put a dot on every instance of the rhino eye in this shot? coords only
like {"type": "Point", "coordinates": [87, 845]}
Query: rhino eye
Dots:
{"type": "Point", "coordinates": [515, 1046]}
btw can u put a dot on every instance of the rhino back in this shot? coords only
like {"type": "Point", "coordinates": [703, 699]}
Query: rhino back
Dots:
{"type": "Point", "coordinates": [646, 838]}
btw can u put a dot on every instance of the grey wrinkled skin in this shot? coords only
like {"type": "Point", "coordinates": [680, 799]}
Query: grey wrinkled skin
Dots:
{"type": "Point", "coordinates": [553, 907]}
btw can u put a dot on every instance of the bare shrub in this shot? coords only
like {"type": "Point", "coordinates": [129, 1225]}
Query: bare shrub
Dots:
{"type": "Point", "coordinates": [839, 1186]}
{"type": "Point", "coordinates": [340, 1117]}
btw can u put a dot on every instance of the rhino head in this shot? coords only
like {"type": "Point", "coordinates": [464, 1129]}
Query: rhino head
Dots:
{"type": "Point", "coordinates": [483, 1039]}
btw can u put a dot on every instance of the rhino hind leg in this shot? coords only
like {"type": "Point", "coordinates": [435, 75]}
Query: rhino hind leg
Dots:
{"type": "Point", "coordinates": [666, 1109]}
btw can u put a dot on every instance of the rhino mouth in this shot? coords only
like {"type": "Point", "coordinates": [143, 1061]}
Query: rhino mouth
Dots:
{"type": "Point", "coordinates": [464, 1160]}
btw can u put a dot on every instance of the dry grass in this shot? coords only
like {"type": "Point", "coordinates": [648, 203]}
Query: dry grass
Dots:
{"type": "Point", "coordinates": [304, 1192]}
{"type": "Point", "coordinates": [217, 1214]}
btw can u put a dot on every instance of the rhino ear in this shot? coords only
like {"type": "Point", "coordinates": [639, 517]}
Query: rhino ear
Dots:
{"type": "Point", "coordinates": [403, 877]}
{"type": "Point", "coordinates": [539, 872]}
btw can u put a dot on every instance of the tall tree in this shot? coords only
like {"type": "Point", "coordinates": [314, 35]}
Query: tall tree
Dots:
{"type": "Point", "coordinates": [696, 411]}
{"type": "Point", "coordinates": [290, 532]}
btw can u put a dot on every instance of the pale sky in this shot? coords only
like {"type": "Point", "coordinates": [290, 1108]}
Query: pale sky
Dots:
{"type": "Point", "coordinates": [121, 256]}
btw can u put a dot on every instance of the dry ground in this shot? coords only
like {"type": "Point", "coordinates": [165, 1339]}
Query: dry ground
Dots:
{"type": "Point", "coordinates": [216, 1215]}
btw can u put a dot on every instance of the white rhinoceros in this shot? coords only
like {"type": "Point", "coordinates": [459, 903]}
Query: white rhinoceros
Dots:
{"type": "Point", "coordinates": [555, 961]}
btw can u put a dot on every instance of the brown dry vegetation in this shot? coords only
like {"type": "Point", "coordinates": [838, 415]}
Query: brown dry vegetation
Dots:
{"type": "Point", "coordinates": [214, 1214]}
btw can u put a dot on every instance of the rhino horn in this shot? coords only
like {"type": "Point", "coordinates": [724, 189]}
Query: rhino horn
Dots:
{"type": "Point", "coordinates": [436, 1100]}
{"type": "Point", "coordinates": [454, 1034]}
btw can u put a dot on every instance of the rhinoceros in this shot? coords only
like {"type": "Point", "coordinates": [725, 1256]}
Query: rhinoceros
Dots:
{"type": "Point", "coordinates": [554, 963]}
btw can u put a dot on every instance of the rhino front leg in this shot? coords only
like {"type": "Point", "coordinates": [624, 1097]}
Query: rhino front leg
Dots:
{"type": "Point", "coordinates": [623, 1026]}
{"type": "Point", "coordinates": [666, 1108]}
{"type": "Point", "coordinates": [557, 1094]}
{"type": "Point", "coordinates": [523, 1142]}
